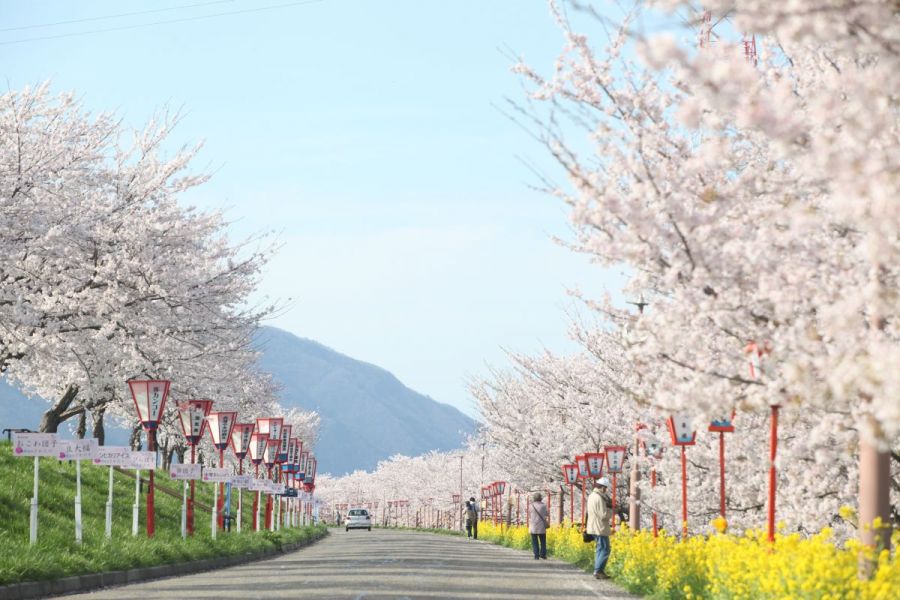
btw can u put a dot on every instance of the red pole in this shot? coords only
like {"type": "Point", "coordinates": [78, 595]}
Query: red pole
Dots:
{"type": "Point", "coordinates": [614, 502]}
{"type": "Point", "coordinates": [256, 502]}
{"type": "Point", "coordinates": [582, 501]}
{"type": "Point", "coordinates": [684, 513]}
{"type": "Point", "coordinates": [653, 485]}
{"type": "Point", "coordinates": [572, 503]}
{"type": "Point", "coordinates": [221, 519]}
{"type": "Point", "coordinates": [269, 503]}
{"type": "Point", "coordinates": [773, 448]}
{"type": "Point", "coordinates": [722, 473]}
{"type": "Point", "coordinates": [151, 525]}
{"type": "Point", "coordinates": [190, 506]}
{"type": "Point", "coordinates": [518, 514]}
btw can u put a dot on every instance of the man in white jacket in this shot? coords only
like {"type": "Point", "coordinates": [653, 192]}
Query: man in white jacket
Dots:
{"type": "Point", "coordinates": [599, 522]}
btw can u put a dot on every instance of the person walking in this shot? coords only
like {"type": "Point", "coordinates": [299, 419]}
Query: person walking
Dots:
{"type": "Point", "coordinates": [471, 519]}
{"type": "Point", "coordinates": [599, 521]}
{"type": "Point", "coordinates": [539, 520]}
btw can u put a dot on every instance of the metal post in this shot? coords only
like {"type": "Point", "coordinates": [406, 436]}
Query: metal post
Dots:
{"type": "Point", "coordinates": [78, 528]}
{"type": "Point", "coordinates": [684, 511]}
{"type": "Point", "coordinates": [634, 490]}
{"type": "Point", "coordinates": [582, 501]}
{"type": "Point", "coordinates": [459, 508]}
{"type": "Point", "coordinates": [136, 507]}
{"type": "Point", "coordinates": [773, 449]}
{"type": "Point", "coordinates": [215, 511]}
{"type": "Point", "coordinates": [184, 499]}
{"type": "Point", "coordinates": [33, 516]}
{"type": "Point", "coordinates": [221, 485]}
{"type": "Point", "coordinates": [614, 486]}
{"type": "Point", "coordinates": [655, 519]}
{"type": "Point", "coordinates": [109, 505]}
{"type": "Point", "coordinates": [240, 495]}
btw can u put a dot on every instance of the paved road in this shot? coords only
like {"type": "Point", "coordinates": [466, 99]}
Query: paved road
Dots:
{"type": "Point", "coordinates": [383, 564]}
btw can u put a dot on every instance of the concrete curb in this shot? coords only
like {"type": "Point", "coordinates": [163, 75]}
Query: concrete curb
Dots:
{"type": "Point", "coordinates": [92, 581]}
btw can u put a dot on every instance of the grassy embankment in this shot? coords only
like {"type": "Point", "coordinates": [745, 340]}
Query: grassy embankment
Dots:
{"type": "Point", "coordinates": [56, 553]}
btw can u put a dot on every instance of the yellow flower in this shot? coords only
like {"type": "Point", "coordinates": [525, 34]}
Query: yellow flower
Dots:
{"type": "Point", "coordinates": [720, 524]}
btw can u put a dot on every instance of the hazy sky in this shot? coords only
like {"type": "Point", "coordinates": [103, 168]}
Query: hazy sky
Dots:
{"type": "Point", "coordinates": [366, 133]}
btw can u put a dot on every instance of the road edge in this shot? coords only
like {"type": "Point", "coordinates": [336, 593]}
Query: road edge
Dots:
{"type": "Point", "coordinates": [27, 590]}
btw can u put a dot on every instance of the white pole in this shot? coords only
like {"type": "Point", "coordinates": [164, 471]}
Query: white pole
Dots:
{"type": "Point", "coordinates": [184, 511]}
{"type": "Point", "coordinates": [239, 518]}
{"type": "Point", "coordinates": [34, 506]}
{"type": "Point", "coordinates": [109, 505]}
{"type": "Point", "coordinates": [78, 530]}
{"type": "Point", "coordinates": [136, 507]}
{"type": "Point", "coordinates": [258, 506]}
{"type": "Point", "coordinates": [215, 510]}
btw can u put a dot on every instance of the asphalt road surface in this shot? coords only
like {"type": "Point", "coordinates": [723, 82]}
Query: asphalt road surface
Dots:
{"type": "Point", "coordinates": [363, 565]}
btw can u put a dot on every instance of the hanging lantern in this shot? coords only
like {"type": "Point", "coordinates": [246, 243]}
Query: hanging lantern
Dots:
{"type": "Point", "coordinates": [570, 472]}
{"type": "Point", "coordinates": [682, 430]}
{"type": "Point", "coordinates": [270, 426]}
{"type": "Point", "coordinates": [723, 424]}
{"type": "Point", "coordinates": [582, 463]}
{"type": "Point", "coordinates": [594, 463]}
{"type": "Point", "coordinates": [149, 399]}
{"type": "Point", "coordinates": [501, 487]}
{"type": "Point", "coordinates": [240, 439]}
{"type": "Point", "coordinates": [615, 457]}
{"type": "Point", "coordinates": [192, 415]}
{"type": "Point", "coordinates": [258, 443]}
{"type": "Point", "coordinates": [284, 436]}
{"type": "Point", "coordinates": [221, 425]}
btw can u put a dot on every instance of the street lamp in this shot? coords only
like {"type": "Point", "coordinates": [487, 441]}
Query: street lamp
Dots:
{"type": "Point", "coordinates": [258, 444]}
{"type": "Point", "coordinates": [192, 415]}
{"type": "Point", "coordinates": [240, 445]}
{"type": "Point", "coordinates": [584, 474]}
{"type": "Point", "coordinates": [570, 472]}
{"type": "Point", "coordinates": [150, 399]}
{"type": "Point", "coordinates": [615, 457]}
{"type": "Point", "coordinates": [221, 425]}
{"type": "Point", "coordinates": [684, 435]}
{"type": "Point", "coordinates": [723, 426]}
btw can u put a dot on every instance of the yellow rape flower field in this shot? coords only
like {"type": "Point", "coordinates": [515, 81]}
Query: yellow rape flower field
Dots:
{"type": "Point", "coordinates": [722, 565]}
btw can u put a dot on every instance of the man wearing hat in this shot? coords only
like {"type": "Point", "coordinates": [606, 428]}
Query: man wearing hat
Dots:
{"type": "Point", "coordinates": [599, 522]}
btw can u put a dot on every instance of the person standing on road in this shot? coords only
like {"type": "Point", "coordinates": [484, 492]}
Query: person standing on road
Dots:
{"type": "Point", "coordinates": [539, 520]}
{"type": "Point", "coordinates": [599, 523]}
{"type": "Point", "coordinates": [471, 519]}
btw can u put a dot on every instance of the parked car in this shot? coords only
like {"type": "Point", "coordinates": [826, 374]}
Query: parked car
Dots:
{"type": "Point", "coordinates": [358, 518]}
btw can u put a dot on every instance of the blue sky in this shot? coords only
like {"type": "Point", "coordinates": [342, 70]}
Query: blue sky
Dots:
{"type": "Point", "coordinates": [366, 133]}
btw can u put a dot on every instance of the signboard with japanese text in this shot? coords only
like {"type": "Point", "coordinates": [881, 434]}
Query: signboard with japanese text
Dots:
{"type": "Point", "coordinates": [77, 449]}
{"type": "Point", "coordinates": [34, 444]}
{"type": "Point", "coordinates": [115, 456]}
{"type": "Point", "coordinates": [141, 460]}
{"type": "Point", "coordinates": [214, 475]}
{"type": "Point", "coordinates": [257, 485]}
{"type": "Point", "coordinates": [185, 472]}
{"type": "Point", "coordinates": [241, 481]}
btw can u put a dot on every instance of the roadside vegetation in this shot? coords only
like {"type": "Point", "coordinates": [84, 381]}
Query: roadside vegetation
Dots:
{"type": "Point", "coordinates": [58, 555]}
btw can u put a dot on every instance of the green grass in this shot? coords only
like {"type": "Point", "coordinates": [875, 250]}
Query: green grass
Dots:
{"type": "Point", "coordinates": [56, 553]}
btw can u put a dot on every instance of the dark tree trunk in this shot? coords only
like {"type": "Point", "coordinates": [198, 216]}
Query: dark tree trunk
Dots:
{"type": "Point", "coordinates": [82, 425]}
{"type": "Point", "coordinates": [56, 414]}
{"type": "Point", "coordinates": [562, 503]}
{"type": "Point", "coordinates": [98, 430]}
{"type": "Point", "coordinates": [179, 451]}
{"type": "Point", "coordinates": [135, 440]}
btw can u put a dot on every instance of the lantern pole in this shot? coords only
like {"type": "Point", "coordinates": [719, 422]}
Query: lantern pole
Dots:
{"type": "Point", "coordinates": [722, 474]}
{"type": "Point", "coordinates": [653, 485]}
{"type": "Point", "coordinates": [684, 513]}
{"type": "Point", "coordinates": [773, 450]}
{"type": "Point", "coordinates": [151, 514]}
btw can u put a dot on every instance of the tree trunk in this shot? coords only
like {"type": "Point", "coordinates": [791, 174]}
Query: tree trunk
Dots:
{"type": "Point", "coordinates": [562, 504]}
{"type": "Point", "coordinates": [179, 451]}
{"type": "Point", "coordinates": [135, 440]}
{"type": "Point", "coordinates": [82, 425]}
{"type": "Point", "coordinates": [54, 415]}
{"type": "Point", "coordinates": [98, 430]}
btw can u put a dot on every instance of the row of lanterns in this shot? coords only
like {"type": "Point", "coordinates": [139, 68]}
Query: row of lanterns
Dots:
{"type": "Point", "coordinates": [268, 441]}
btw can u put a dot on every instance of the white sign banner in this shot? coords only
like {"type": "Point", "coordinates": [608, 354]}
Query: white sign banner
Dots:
{"type": "Point", "coordinates": [241, 481]}
{"type": "Point", "coordinates": [141, 460]}
{"type": "Point", "coordinates": [212, 475]}
{"type": "Point", "coordinates": [275, 488]}
{"type": "Point", "coordinates": [258, 485]}
{"type": "Point", "coordinates": [77, 449]}
{"type": "Point", "coordinates": [116, 456]}
{"type": "Point", "coordinates": [184, 472]}
{"type": "Point", "coordinates": [34, 444]}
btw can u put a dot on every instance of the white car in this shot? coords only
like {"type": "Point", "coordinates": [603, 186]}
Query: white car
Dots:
{"type": "Point", "coordinates": [358, 518]}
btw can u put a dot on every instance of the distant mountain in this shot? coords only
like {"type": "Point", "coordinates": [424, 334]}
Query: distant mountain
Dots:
{"type": "Point", "coordinates": [367, 413]}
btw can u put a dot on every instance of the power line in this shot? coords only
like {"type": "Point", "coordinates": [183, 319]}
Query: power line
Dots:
{"type": "Point", "coordinates": [165, 22]}
{"type": "Point", "coordinates": [107, 17]}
